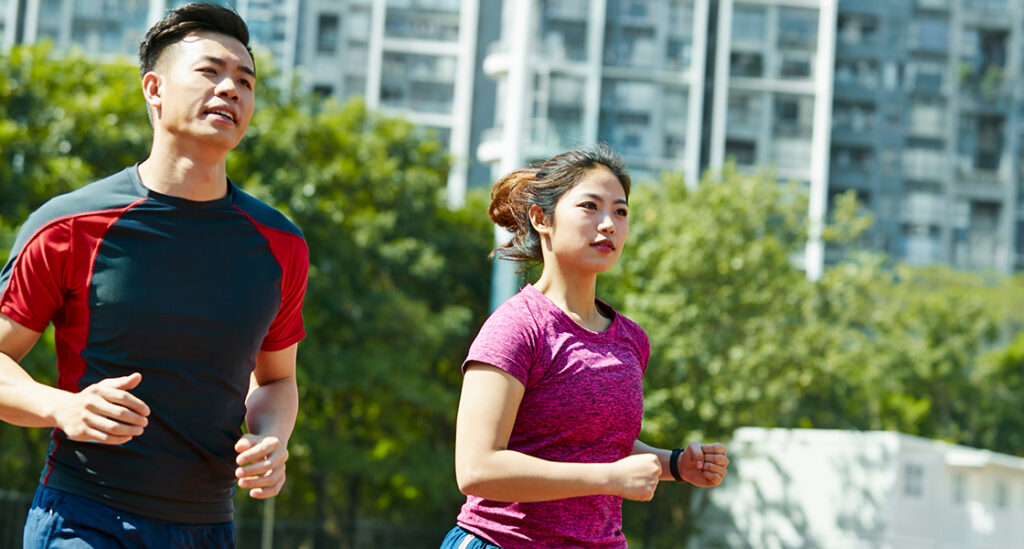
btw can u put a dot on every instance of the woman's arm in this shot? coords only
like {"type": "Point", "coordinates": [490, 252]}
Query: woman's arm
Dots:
{"type": "Point", "coordinates": [485, 467]}
{"type": "Point", "coordinates": [703, 465]}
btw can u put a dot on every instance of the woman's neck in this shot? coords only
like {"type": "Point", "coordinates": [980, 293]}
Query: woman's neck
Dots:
{"type": "Point", "coordinates": [575, 295]}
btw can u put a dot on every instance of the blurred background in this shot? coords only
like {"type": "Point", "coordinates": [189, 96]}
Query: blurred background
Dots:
{"type": "Point", "coordinates": [828, 223]}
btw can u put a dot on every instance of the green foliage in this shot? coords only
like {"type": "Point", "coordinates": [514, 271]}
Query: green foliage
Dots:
{"type": "Point", "coordinates": [740, 337]}
{"type": "Point", "coordinates": [397, 286]}
{"type": "Point", "coordinates": [64, 121]}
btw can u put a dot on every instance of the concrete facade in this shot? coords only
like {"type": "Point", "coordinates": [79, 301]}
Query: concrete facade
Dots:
{"type": "Point", "coordinates": [847, 489]}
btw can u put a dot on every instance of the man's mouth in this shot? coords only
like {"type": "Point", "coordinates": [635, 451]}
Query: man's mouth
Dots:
{"type": "Point", "coordinates": [223, 113]}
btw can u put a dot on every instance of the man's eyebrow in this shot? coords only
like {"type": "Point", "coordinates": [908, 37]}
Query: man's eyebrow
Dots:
{"type": "Point", "coordinates": [222, 63]}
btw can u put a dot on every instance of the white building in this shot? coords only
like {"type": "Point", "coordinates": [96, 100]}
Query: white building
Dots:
{"type": "Point", "coordinates": [571, 72]}
{"type": "Point", "coordinates": [772, 103]}
{"type": "Point", "coordinates": [847, 489]}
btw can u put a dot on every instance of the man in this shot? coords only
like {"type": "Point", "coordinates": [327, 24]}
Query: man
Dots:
{"type": "Point", "coordinates": [176, 301]}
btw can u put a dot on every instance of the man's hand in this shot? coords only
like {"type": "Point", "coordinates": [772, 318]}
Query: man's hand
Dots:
{"type": "Point", "coordinates": [261, 468]}
{"type": "Point", "coordinates": [103, 412]}
{"type": "Point", "coordinates": [703, 465]}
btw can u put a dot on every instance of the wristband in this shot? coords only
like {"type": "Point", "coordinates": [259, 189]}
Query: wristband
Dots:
{"type": "Point", "coordinates": [673, 464]}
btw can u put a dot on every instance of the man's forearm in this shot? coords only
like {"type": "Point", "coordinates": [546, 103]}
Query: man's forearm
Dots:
{"type": "Point", "coordinates": [271, 408]}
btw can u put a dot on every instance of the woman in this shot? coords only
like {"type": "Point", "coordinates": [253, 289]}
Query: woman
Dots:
{"type": "Point", "coordinates": [546, 436]}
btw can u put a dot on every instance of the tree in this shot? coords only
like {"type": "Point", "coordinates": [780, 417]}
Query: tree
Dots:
{"type": "Point", "coordinates": [740, 337]}
{"type": "Point", "coordinates": [57, 132]}
{"type": "Point", "coordinates": [397, 287]}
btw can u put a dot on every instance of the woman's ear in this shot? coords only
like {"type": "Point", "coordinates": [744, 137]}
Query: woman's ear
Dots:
{"type": "Point", "coordinates": [539, 220]}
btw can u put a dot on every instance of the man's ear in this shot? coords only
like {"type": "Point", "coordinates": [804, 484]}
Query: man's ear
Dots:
{"type": "Point", "coordinates": [539, 220]}
{"type": "Point", "coordinates": [152, 89]}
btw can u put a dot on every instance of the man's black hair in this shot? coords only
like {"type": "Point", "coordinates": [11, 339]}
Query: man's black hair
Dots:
{"type": "Point", "coordinates": [187, 19]}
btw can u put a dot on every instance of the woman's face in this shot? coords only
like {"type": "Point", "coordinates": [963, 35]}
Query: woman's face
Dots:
{"type": "Point", "coordinates": [588, 229]}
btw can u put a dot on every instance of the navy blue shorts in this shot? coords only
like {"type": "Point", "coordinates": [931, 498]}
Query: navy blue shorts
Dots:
{"type": "Point", "coordinates": [59, 520]}
{"type": "Point", "coordinates": [458, 538]}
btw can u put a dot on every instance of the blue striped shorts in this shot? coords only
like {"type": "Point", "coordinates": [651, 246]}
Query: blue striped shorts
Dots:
{"type": "Point", "coordinates": [458, 538]}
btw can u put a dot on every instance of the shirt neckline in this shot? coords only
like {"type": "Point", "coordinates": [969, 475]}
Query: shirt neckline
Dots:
{"type": "Point", "coordinates": [177, 201]}
{"type": "Point", "coordinates": [564, 317]}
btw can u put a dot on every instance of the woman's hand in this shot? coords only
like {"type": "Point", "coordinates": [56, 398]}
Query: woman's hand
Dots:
{"type": "Point", "coordinates": [703, 465]}
{"type": "Point", "coordinates": [635, 477]}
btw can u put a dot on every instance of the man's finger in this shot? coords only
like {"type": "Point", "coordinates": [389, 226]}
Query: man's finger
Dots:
{"type": "Point", "coordinates": [124, 383]}
{"type": "Point", "coordinates": [116, 412]}
{"type": "Point", "coordinates": [256, 469]}
{"type": "Point", "coordinates": [112, 392]}
{"type": "Point", "coordinates": [257, 451]}
{"type": "Point", "coordinates": [267, 492]}
{"type": "Point", "coordinates": [111, 427]}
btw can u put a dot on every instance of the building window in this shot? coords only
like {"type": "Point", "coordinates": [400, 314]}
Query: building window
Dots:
{"type": "Point", "coordinates": [959, 488]}
{"type": "Point", "coordinates": [1002, 494]}
{"type": "Point", "coordinates": [794, 116]}
{"type": "Point", "coordinates": [327, 33]}
{"type": "Point", "coordinates": [854, 116]}
{"type": "Point", "coordinates": [913, 480]}
{"type": "Point", "coordinates": [748, 24]}
{"type": "Point", "coordinates": [746, 64]}
{"type": "Point", "coordinates": [857, 29]}
{"type": "Point", "coordinates": [798, 28]}
{"type": "Point", "coordinates": [743, 152]}
{"type": "Point", "coordinates": [795, 66]}
{"type": "Point", "coordinates": [931, 35]}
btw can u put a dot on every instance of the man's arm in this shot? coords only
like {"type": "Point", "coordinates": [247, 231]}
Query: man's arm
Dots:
{"type": "Point", "coordinates": [102, 412]}
{"type": "Point", "coordinates": [271, 407]}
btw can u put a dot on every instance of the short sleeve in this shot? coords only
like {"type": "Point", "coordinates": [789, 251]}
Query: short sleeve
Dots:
{"type": "Point", "coordinates": [508, 340]}
{"type": "Point", "coordinates": [287, 327]}
{"type": "Point", "coordinates": [32, 281]}
{"type": "Point", "coordinates": [644, 348]}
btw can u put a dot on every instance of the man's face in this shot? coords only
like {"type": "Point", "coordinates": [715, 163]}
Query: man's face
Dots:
{"type": "Point", "coordinates": [205, 89]}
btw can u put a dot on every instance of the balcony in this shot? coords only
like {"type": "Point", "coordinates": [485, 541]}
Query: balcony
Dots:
{"type": "Point", "coordinates": [497, 60]}
{"type": "Point", "coordinates": [492, 145]}
{"type": "Point", "coordinates": [925, 165]}
{"type": "Point", "coordinates": [567, 10]}
{"type": "Point", "coordinates": [934, 5]}
{"type": "Point", "coordinates": [923, 208]}
{"type": "Point", "coordinates": [920, 249]}
{"type": "Point", "coordinates": [421, 25]}
{"type": "Point", "coordinates": [985, 88]}
{"type": "Point", "coordinates": [990, 7]}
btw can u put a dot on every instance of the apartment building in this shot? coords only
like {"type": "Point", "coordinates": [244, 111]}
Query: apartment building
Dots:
{"type": "Point", "coordinates": [773, 97]}
{"type": "Point", "coordinates": [926, 127]}
{"type": "Point", "coordinates": [630, 73]}
{"type": "Point", "coordinates": [915, 105]}
{"type": "Point", "coordinates": [411, 58]}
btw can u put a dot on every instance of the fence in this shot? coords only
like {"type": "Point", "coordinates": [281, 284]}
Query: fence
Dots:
{"type": "Point", "coordinates": [13, 509]}
{"type": "Point", "coordinates": [286, 534]}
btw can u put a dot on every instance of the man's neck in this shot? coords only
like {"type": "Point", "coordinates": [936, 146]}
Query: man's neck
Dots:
{"type": "Point", "coordinates": [199, 177]}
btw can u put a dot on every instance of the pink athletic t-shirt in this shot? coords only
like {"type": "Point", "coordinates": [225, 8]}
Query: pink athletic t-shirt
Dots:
{"type": "Point", "coordinates": [583, 403]}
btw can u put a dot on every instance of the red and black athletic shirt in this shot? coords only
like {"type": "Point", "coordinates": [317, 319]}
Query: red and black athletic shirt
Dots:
{"type": "Point", "coordinates": [184, 292]}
